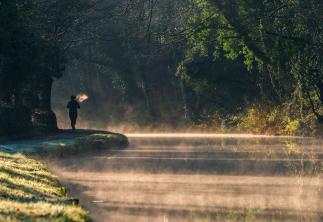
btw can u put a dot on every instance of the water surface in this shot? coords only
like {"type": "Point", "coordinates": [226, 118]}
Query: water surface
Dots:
{"type": "Point", "coordinates": [194, 177]}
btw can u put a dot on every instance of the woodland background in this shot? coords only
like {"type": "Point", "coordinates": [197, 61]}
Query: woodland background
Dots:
{"type": "Point", "coordinates": [221, 65]}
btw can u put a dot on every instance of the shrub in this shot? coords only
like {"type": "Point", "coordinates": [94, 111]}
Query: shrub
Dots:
{"type": "Point", "coordinates": [14, 120]}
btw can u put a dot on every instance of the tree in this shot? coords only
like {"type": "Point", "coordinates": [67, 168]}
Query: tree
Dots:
{"type": "Point", "coordinates": [281, 39]}
{"type": "Point", "coordinates": [32, 54]}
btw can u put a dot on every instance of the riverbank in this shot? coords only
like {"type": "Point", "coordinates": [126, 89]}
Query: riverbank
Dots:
{"type": "Point", "coordinates": [29, 192]}
{"type": "Point", "coordinates": [273, 122]}
{"type": "Point", "coordinates": [256, 120]}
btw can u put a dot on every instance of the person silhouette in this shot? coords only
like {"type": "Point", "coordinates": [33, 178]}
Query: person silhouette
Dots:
{"type": "Point", "coordinates": [73, 106]}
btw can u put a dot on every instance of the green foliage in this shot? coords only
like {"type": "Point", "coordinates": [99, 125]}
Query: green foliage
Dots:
{"type": "Point", "coordinates": [292, 127]}
{"type": "Point", "coordinates": [280, 45]}
{"type": "Point", "coordinates": [168, 61]}
{"type": "Point", "coordinates": [266, 120]}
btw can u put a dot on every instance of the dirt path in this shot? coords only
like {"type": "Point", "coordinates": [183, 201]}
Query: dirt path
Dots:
{"type": "Point", "coordinates": [199, 179]}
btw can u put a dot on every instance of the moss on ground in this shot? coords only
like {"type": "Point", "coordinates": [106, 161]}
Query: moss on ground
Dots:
{"type": "Point", "coordinates": [102, 141]}
{"type": "Point", "coordinates": [82, 144]}
{"type": "Point", "coordinates": [28, 192]}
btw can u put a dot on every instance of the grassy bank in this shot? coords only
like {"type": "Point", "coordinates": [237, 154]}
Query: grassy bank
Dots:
{"type": "Point", "coordinates": [28, 192]}
{"type": "Point", "coordinates": [83, 144]}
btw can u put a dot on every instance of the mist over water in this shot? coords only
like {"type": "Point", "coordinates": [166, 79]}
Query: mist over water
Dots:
{"type": "Point", "coordinates": [199, 177]}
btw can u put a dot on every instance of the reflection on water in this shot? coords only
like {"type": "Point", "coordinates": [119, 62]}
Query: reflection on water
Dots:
{"type": "Point", "coordinates": [200, 178]}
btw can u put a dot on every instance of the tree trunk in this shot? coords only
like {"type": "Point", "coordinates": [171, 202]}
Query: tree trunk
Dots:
{"type": "Point", "coordinates": [320, 88]}
{"type": "Point", "coordinates": [43, 118]}
{"type": "Point", "coordinates": [187, 114]}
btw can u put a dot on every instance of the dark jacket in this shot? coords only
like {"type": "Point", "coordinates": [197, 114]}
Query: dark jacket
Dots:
{"type": "Point", "coordinates": [73, 105]}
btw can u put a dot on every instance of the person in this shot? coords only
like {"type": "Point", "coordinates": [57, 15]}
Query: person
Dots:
{"type": "Point", "coordinates": [73, 106]}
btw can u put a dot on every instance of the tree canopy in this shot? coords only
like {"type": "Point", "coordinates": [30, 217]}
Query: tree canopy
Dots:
{"type": "Point", "coordinates": [163, 61]}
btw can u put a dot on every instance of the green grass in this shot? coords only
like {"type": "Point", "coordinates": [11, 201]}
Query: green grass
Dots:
{"type": "Point", "coordinates": [101, 141]}
{"type": "Point", "coordinates": [28, 192]}
{"type": "Point", "coordinates": [83, 144]}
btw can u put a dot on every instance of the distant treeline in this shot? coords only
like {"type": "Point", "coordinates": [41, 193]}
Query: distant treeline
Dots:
{"type": "Point", "coordinates": [214, 63]}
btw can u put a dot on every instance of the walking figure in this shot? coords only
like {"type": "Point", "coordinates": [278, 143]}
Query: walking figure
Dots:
{"type": "Point", "coordinates": [73, 105]}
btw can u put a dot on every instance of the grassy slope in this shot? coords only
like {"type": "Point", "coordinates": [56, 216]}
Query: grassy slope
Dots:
{"type": "Point", "coordinates": [28, 192]}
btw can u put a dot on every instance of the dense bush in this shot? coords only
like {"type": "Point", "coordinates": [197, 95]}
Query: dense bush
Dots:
{"type": "Point", "coordinates": [14, 120]}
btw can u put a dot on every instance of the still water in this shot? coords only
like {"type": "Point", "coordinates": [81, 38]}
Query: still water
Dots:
{"type": "Point", "coordinates": [199, 177]}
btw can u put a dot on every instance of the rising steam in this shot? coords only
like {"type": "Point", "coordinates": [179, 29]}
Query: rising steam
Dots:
{"type": "Point", "coordinates": [198, 178]}
{"type": "Point", "coordinates": [82, 97]}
